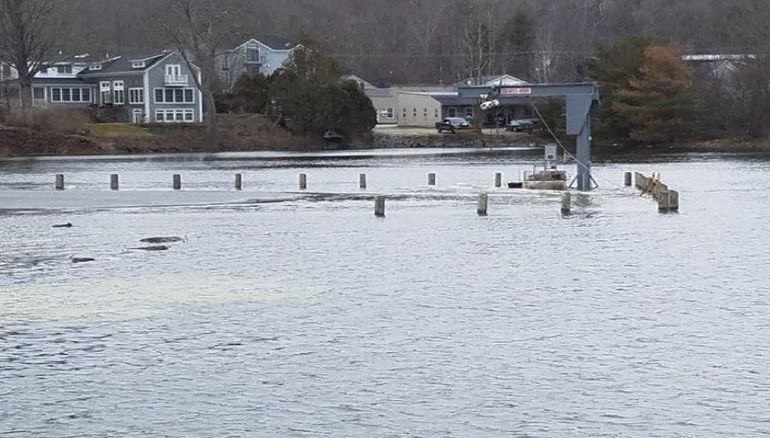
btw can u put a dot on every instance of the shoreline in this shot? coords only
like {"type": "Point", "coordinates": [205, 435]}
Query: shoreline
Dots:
{"type": "Point", "coordinates": [29, 143]}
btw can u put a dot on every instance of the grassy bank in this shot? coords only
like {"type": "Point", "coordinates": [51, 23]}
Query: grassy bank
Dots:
{"type": "Point", "coordinates": [235, 133]}
{"type": "Point", "coordinates": [255, 133]}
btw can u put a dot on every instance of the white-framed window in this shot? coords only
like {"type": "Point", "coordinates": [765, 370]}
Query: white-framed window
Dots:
{"type": "Point", "coordinates": [97, 66]}
{"type": "Point", "coordinates": [414, 112]}
{"type": "Point", "coordinates": [69, 95]}
{"type": "Point", "coordinates": [174, 95]}
{"type": "Point", "coordinates": [64, 69]}
{"type": "Point", "coordinates": [173, 70]}
{"type": "Point", "coordinates": [136, 96]}
{"type": "Point", "coordinates": [104, 86]}
{"type": "Point", "coordinates": [435, 113]}
{"type": "Point", "coordinates": [252, 54]}
{"type": "Point", "coordinates": [174, 116]}
{"type": "Point", "coordinates": [138, 64]}
{"type": "Point", "coordinates": [119, 92]}
{"type": "Point", "coordinates": [390, 113]}
{"type": "Point", "coordinates": [425, 113]}
{"type": "Point", "coordinates": [120, 97]}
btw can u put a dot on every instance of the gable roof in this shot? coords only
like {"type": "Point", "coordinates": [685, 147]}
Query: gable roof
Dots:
{"type": "Point", "coordinates": [274, 42]}
{"type": "Point", "coordinates": [122, 63]}
{"type": "Point", "coordinates": [494, 80]}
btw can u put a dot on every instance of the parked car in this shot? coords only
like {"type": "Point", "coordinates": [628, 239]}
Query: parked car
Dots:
{"type": "Point", "coordinates": [452, 124]}
{"type": "Point", "coordinates": [522, 125]}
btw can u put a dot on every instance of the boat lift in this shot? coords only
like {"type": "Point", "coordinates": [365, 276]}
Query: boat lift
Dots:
{"type": "Point", "coordinates": [582, 100]}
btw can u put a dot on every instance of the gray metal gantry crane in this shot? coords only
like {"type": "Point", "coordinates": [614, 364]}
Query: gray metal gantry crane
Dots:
{"type": "Point", "coordinates": [581, 100]}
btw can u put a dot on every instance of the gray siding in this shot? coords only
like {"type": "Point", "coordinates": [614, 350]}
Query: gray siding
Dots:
{"type": "Point", "coordinates": [156, 79]}
{"type": "Point", "coordinates": [233, 65]}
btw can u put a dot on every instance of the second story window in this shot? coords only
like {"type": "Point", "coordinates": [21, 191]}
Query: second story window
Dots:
{"type": "Point", "coordinates": [252, 54]}
{"type": "Point", "coordinates": [64, 69]}
{"type": "Point", "coordinates": [173, 70]}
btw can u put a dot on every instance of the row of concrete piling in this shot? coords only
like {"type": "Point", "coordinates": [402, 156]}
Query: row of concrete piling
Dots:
{"type": "Point", "coordinates": [176, 181]}
{"type": "Point", "coordinates": [668, 200]}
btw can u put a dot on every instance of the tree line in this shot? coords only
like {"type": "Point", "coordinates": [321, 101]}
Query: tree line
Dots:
{"type": "Point", "coordinates": [445, 41]}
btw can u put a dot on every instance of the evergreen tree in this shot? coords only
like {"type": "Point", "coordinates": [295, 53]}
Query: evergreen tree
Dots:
{"type": "Point", "coordinates": [309, 97]}
{"type": "Point", "coordinates": [657, 102]}
{"type": "Point", "coordinates": [611, 69]}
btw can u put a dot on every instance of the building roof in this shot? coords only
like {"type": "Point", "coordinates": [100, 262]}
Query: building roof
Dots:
{"type": "Point", "coordinates": [274, 42]}
{"type": "Point", "coordinates": [494, 80]}
{"type": "Point", "coordinates": [79, 58]}
{"type": "Point", "coordinates": [59, 81]}
{"type": "Point", "coordinates": [122, 63]}
{"type": "Point", "coordinates": [716, 58]}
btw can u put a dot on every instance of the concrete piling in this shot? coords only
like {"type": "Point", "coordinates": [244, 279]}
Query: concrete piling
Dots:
{"type": "Point", "coordinates": [668, 201]}
{"type": "Point", "coordinates": [238, 181]}
{"type": "Point", "coordinates": [59, 182]}
{"type": "Point", "coordinates": [483, 204]}
{"type": "Point", "coordinates": [302, 181]}
{"type": "Point", "coordinates": [177, 182]}
{"type": "Point", "coordinates": [431, 179]}
{"type": "Point", "coordinates": [498, 180]}
{"type": "Point", "coordinates": [673, 201]}
{"type": "Point", "coordinates": [566, 203]}
{"type": "Point", "coordinates": [114, 182]}
{"type": "Point", "coordinates": [628, 179]}
{"type": "Point", "coordinates": [362, 181]}
{"type": "Point", "coordinates": [379, 206]}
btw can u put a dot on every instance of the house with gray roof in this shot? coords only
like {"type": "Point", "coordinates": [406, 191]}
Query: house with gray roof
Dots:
{"type": "Point", "coordinates": [261, 55]}
{"type": "Point", "coordinates": [151, 87]}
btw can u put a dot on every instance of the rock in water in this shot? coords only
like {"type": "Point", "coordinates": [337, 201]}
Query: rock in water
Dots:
{"type": "Point", "coordinates": [82, 260]}
{"type": "Point", "coordinates": [67, 225]}
{"type": "Point", "coordinates": [156, 240]}
{"type": "Point", "coordinates": [152, 248]}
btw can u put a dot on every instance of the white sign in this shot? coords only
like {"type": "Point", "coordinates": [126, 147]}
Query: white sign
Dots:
{"type": "Point", "coordinates": [551, 152]}
{"type": "Point", "coordinates": [517, 91]}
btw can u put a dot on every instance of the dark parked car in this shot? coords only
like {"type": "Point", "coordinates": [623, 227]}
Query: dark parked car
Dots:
{"type": "Point", "coordinates": [522, 125]}
{"type": "Point", "coordinates": [452, 124]}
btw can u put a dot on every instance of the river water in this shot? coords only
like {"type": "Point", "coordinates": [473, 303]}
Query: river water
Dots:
{"type": "Point", "coordinates": [301, 314]}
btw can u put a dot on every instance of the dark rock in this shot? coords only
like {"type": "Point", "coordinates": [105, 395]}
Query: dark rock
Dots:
{"type": "Point", "coordinates": [152, 248]}
{"type": "Point", "coordinates": [67, 225]}
{"type": "Point", "coordinates": [156, 240]}
{"type": "Point", "coordinates": [82, 260]}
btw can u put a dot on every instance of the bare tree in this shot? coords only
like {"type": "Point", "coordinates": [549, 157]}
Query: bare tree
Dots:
{"type": "Point", "coordinates": [474, 44]}
{"type": "Point", "coordinates": [199, 30]}
{"type": "Point", "coordinates": [28, 39]}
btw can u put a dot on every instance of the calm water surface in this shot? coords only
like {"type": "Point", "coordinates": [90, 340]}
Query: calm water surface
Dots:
{"type": "Point", "coordinates": [300, 314]}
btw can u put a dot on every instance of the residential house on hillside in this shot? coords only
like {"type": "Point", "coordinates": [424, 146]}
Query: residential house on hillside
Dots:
{"type": "Point", "coordinates": [153, 87]}
{"type": "Point", "coordinates": [263, 55]}
{"type": "Point", "coordinates": [716, 67]}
